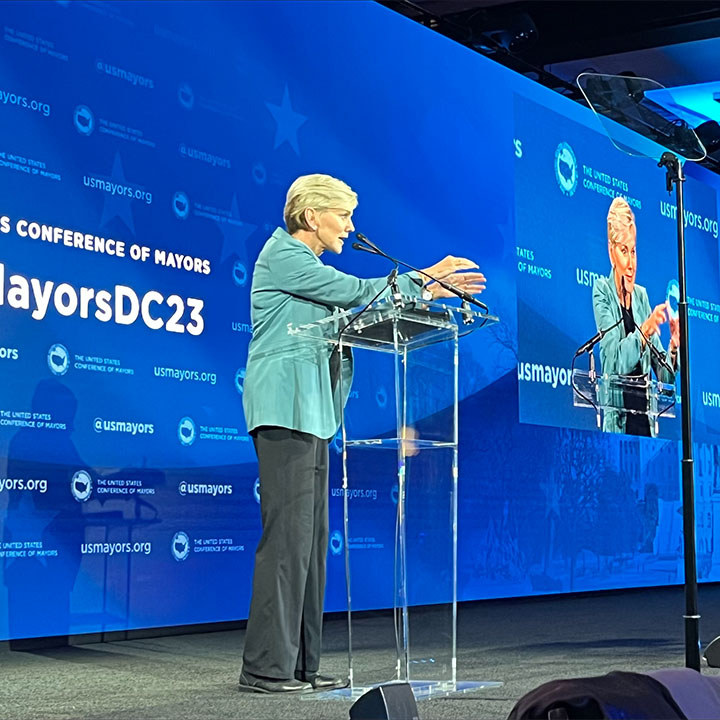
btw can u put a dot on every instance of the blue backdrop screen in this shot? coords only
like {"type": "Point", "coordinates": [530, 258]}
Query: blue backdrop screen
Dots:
{"type": "Point", "coordinates": [146, 152]}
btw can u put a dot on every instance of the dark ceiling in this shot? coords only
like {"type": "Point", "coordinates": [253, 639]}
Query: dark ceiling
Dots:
{"type": "Point", "coordinates": [546, 32]}
{"type": "Point", "coordinates": [552, 41]}
{"type": "Point", "coordinates": [561, 31]}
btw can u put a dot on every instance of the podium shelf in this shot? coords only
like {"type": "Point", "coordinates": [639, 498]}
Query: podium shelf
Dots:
{"type": "Point", "coordinates": [391, 328]}
{"type": "Point", "coordinates": [394, 443]}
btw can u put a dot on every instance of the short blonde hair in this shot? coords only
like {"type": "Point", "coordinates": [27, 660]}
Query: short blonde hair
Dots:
{"type": "Point", "coordinates": [317, 191]}
{"type": "Point", "coordinates": [620, 220]}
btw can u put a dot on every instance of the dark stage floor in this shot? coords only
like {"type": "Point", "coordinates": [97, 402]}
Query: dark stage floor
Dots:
{"type": "Point", "coordinates": [521, 642]}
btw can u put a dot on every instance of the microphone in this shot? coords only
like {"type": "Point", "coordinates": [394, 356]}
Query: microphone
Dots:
{"type": "Point", "coordinates": [653, 350]}
{"type": "Point", "coordinates": [365, 241]}
{"type": "Point", "coordinates": [595, 339]}
{"type": "Point", "coordinates": [392, 277]}
{"type": "Point", "coordinates": [364, 248]}
{"type": "Point", "coordinates": [369, 246]}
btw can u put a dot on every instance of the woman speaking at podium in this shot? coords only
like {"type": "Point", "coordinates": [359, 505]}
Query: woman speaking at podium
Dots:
{"type": "Point", "coordinates": [622, 308]}
{"type": "Point", "coordinates": [293, 408]}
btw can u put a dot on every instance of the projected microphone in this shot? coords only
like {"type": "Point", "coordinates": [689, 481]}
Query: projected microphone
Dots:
{"type": "Point", "coordinates": [595, 339]}
{"type": "Point", "coordinates": [662, 359]}
{"type": "Point", "coordinates": [369, 246]}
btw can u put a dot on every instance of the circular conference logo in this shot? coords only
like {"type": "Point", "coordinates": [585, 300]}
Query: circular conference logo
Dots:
{"type": "Point", "coordinates": [336, 542]}
{"type": "Point", "coordinates": [239, 380]}
{"type": "Point", "coordinates": [566, 169]}
{"type": "Point", "coordinates": [186, 431]}
{"type": "Point", "coordinates": [181, 205]}
{"type": "Point", "coordinates": [81, 485]}
{"type": "Point", "coordinates": [256, 490]}
{"type": "Point", "coordinates": [337, 442]}
{"type": "Point", "coordinates": [259, 173]}
{"type": "Point", "coordinates": [239, 274]}
{"type": "Point", "coordinates": [381, 396]}
{"type": "Point", "coordinates": [180, 546]}
{"type": "Point", "coordinates": [186, 96]}
{"type": "Point", "coordinates": [84, 120]}
{"type": "Point", "coordinates": [58, 359]}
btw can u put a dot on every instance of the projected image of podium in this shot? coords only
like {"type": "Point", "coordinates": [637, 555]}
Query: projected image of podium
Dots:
{"type": "Point", "coordinates": [400, 490]}
{"type": "Point", "coordinates": [624, 395]}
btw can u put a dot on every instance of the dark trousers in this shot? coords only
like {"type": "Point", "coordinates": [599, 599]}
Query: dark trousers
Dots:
{"type": "Point", "coordinates": [284, 629]}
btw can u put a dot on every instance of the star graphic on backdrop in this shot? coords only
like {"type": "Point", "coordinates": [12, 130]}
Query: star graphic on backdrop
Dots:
{"type": "Point", "coordinates": [288, 122]}
{"type": "Point", "coordinates": [235, 234]}
{"type": "Point", "coordinates": [117, 205]}
{"type": "Point", "coordinates": [26, 523]}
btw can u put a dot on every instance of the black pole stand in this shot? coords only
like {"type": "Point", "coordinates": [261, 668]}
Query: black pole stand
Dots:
{"type": "Point", "coordinates": [675, 176]}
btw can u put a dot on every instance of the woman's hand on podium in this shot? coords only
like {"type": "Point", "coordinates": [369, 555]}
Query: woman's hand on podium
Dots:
{"type": "Point", "coordinates": [408, 436]}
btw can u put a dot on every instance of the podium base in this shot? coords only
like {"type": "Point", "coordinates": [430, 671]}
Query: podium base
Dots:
{"type": "Point", "coordinates": [422, 689]}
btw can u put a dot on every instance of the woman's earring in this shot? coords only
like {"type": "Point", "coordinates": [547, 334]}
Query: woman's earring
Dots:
{"type": "Point", "coordinates": [313, 228]}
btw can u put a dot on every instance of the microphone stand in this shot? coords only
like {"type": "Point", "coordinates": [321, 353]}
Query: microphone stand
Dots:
{"type": "Point", "coordinates": [394, 289]}
{"type": "Point", "coordinates": [592, 374]}
{"type": "Point", "coordinates": [662, 359]}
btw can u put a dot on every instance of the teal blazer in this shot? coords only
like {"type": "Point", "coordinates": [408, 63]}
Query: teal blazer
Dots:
{"type": "Point", "coordinates": [287, 379]}
{"type": "Point", "coordinates": [620, 353]}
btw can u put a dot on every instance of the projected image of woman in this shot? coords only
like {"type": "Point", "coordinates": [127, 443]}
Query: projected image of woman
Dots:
{"type": "Point", "coordinates": [618, 301]}
{"type": "Point", "coordinates": [292, 406]}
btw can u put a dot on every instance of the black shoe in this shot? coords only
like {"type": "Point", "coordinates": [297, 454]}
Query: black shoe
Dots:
{"type": "Point", "coordinates": [322, 682]}
{"type": "Point", "coordinates": [250, 683]}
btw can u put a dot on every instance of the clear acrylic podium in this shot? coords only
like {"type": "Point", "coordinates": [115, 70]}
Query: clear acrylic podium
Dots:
{"type": "Point", "coordinates": [610, 392]}
{"type": "Point", "coordinates": [399, 489]}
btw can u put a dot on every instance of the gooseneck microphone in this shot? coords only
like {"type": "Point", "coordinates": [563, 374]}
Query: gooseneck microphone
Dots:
{"type": "Point", "coordinates": [595, 339]}
{"type": "Point", "coordinates": [366, 241]}
{"type": "Point", "coordinates": [367, 245]}
{"type": "Point", "coordinates": [662, 359]}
